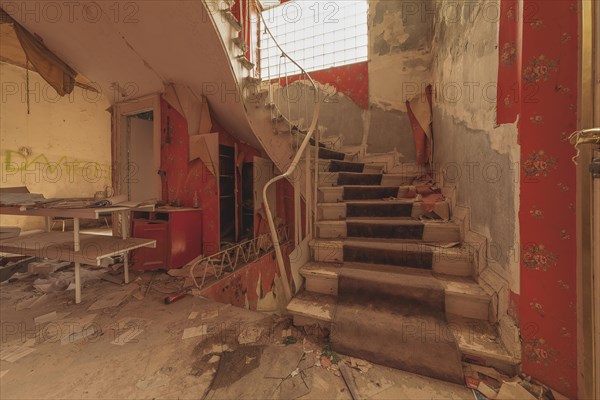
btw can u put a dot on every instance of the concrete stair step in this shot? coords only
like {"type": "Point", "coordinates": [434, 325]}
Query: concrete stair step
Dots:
{"type": "Point", "coordinates": [376, 208]}
{"type": "Point", "coordinates": [326, 154]}
{"type": "Point", "coordinates": [363, 178]}
{"type": "Point", "coordinates": [464, 297]}
{"type": "Point", "coordinates": [477, 340]}
{"type": "Point", "coordinates": [401, 229]}
{"type": "Point", "coordinates": [480, 344]}
{"type": "Point", "coordinates": [336, 194]}
{"type": "Point", "coordinates": [454, 261]}
{"type": "Point", "coordinates": [348, 166]}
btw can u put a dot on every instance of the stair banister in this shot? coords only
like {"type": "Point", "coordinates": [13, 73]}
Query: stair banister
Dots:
{"type": "Point", "coordinates": [288, 174]}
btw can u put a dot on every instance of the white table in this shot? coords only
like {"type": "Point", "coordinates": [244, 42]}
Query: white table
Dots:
{"type": "Point", "coordinates": [76, 247]}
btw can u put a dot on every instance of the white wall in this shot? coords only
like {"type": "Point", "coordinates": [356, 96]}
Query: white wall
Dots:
{"type": "Point", "coordinates": [60, 149]}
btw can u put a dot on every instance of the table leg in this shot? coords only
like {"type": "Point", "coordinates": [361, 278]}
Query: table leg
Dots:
{"type": "Point", "coordinates": [76, 247]}
{"type": "Point", "coordinates": [76, 234]}
{"type": "Point", "coordinates": [124, 224]}
{"type": "Point", "coordinates": [48, 224]}
{"type": "Point", "coordinates": [126, 267]}
{"type": "Point", "coordinates": [77, 283]}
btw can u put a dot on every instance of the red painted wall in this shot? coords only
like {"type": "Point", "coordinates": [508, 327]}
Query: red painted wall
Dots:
{"type": "Point", "coordinates": [242, 284]}
{"type": "Point", "coordinates": [186, 178]}
{"type": "Point", "coordinates": [352, 80]}
{"type": "Point", "coordinates": [547, 109]}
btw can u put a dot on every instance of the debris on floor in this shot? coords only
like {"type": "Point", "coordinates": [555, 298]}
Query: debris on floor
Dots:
{"type": "Point", "coordinates": [488, 383]}
{"type": "Point", "coordinates": [13, 353]}
{"type": "Point", "coordinates": [47, 267]}
{"type": "Point", "coordinates": [183, 347]}
{"type": "Point", "coordinates": [112, 298]}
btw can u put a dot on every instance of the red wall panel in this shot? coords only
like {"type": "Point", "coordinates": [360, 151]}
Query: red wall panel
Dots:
{"type": "Point", "coordinates": [547, 115]}
{"type": "Point", "coordinates": [352, 80]}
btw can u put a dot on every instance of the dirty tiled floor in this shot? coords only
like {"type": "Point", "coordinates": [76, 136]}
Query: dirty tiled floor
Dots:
{"type": "Point", "coordinates": [145, 349]}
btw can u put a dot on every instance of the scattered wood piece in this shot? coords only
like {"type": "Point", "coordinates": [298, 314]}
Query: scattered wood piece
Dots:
{"type": "Point", "coordinates": [210, 314]}
{"type": "Point", "coordinates": [149, 285]}
{"type": "Point", "coordinates": [112, 299]}
{"type": "Point", "coordinates": [127, 336]}
{"type": "Point", "coordinates": [15, 353]}
{"type": "Point", "coordinates": [117, 266]}
{"type": "Point", "coordinates": [138, 294]}
{"type": "Point", "coordinates": [29, 302]}
{"type": "Point", "coordinates": [349, 380]}
{"type": "Point", "coordinates": [46, 267]}
{"type": "Point", "coordinates": [193, 315]}
{"type": "Point", "coordinates": [194, 332]}
{"type": "Point", "coordinates": [487, 391]}
{"type": "Point", "coordinates": [42, 319]}
{"type": "Point", "coordinates": [75, 329]}
{"type": "Point", "coordinates": [514, 391]}
{"type": "Point", "coordinates": [491, 372]}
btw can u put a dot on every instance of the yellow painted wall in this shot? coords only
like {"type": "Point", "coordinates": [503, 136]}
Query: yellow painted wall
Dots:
{"type": "Point", "coordinates": [60, 149]}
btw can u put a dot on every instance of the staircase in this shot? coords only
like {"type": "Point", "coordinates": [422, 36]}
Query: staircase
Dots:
{"type": "Point", "coordinates": [389, 273]}
{"type": "Point", "coordinates": [392, 281]}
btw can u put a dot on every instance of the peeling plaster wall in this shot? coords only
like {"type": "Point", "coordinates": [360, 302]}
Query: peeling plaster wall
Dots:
{"type": "Point", "coordinates": [482, 159]}
{"type": "Point", "coordinates": [365, 105]}
{"type": "Point", "coordinates": [60, 149]}
{"type": "Point", "coordinates": [400, 34]}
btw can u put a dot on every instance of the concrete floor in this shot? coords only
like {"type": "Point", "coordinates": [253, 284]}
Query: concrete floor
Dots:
{"type": "Point", "coordinates": [137, 350]}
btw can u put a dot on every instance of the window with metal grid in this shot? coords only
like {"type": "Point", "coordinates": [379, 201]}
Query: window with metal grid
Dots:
{"type": "Point", "coordinates": [315, 34]}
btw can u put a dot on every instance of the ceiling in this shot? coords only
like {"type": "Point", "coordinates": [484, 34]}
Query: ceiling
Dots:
{"type": "Point", "coordinates": [131, 49]}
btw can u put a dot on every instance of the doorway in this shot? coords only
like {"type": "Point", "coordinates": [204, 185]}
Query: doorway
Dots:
{"type": "Point", "coordinates": [136, 148]}
{"type": "Point", "coordinates": [140, 152]}
{"type": "Point", "coordinates": [227, 199]}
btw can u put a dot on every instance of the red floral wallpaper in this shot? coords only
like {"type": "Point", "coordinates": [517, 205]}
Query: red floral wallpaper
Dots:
{"type": "Point", "coordinates": [547, 109]}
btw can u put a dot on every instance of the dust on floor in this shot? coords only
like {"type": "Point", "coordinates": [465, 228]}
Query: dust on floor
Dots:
{"type": "Point", "coordinates": [121, 342]}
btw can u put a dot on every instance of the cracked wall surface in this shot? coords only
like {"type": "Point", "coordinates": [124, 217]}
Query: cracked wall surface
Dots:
{"type": "Point", "coordinates": [399, 68]}
{"type": "Point", "coordinates": [470, 150]}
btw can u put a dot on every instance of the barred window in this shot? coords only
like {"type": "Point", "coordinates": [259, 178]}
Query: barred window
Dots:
{"type": "Point", "coordinates": [316, 34]}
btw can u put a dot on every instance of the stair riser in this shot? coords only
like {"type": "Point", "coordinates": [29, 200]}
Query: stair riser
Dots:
{"type": "Point", "coordinates": [338, 211]}
{"type": "Point", "coordinates": [456, 303]}
{"type": "Point", "coordinates": [336, 194]}
{"type": "Point", "coordinates": [437, 262]}
{"type": "Point", "coordinates": [426, 233]}
{"type": "Point", "coordinates": [325, 154]}
{"type": "Point", "coordinates": [333, 179]}
{"type": "Point", "coordinates": [328, 166]}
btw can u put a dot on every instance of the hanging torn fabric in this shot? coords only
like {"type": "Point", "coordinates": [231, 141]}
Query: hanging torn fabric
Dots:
{"type": "Point", "coordinates": [54, 71]}
{"type": "Point", "coordinates": [420, 116]}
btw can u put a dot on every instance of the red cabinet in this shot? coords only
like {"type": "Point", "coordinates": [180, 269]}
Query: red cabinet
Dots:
{"type": "Point", "coordinates": [178, 235]}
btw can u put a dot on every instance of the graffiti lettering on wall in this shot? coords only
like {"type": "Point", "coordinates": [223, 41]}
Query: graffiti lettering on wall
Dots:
{"type": "Point", "coordinates": [26, 167]}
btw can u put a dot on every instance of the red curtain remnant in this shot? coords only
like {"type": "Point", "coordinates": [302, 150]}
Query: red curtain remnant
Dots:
{"type": "Point", "coordinates": [420, 116]}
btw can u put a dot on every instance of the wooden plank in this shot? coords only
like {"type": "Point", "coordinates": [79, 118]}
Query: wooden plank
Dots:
{"type": "Point", "coordinates": [349, 379]}
{"type": "Point", "coordinates": [60, 246]}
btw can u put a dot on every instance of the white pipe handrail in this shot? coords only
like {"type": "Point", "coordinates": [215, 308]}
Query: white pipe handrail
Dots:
{"type": "Point", "coordinates": [293, 165]}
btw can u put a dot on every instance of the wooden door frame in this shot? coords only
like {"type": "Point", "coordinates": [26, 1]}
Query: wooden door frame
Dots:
{"type": "Point", "coordinates": [588, 206]}
{"type": "Point", "coordinates": [119, 134]}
